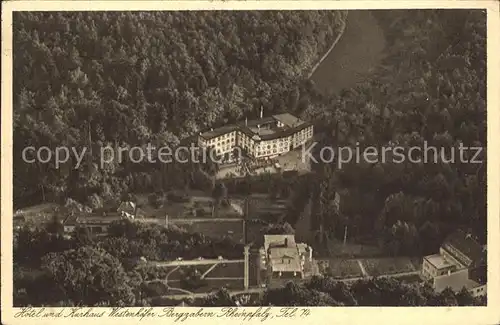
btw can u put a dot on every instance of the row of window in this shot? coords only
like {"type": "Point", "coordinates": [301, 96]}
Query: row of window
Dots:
{"type": "Point", "coordinates": [274, 146]}
{"type": "Point", "coordinates": [217, 140]}
{"type": "Point", "coordinates": [231, 136]}
{"type": "Point", "coordinates": [224, 142]}
{"type": "Point", "coordinates": [269, 152]}
{"type": "Point", "coordinates": [451, 258]}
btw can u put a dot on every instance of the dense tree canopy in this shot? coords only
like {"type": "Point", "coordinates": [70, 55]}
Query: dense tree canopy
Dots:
{"type": "Point", "coordinates": [325, 291]}
{"type": "Point", "coordinates": [90, 277]}
{"type": "Point", "coordinates": [129, 78]}
{"type": "Point", "coordinates": [434, 98]}
{"type": "Point", "coordinates": [63, 265]}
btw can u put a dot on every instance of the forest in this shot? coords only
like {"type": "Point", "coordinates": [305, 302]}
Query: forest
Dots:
{"type": "Point", "coordinates": [325, 291]}
{"type": "Point", "coordinates": [436, 96]}
{"type": "Point", "coordinates": [51, 269]}
{"type": "Point", "coordinates": [126, 79]}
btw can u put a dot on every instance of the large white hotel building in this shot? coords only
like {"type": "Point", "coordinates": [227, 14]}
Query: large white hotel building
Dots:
{"type": "Point", "coordinates": [263, 138]}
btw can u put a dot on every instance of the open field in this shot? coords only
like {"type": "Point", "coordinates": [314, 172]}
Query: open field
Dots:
{"type": "Point", "coordinates": [156, 289]}
{"type": "Point", "coordinates": [218, 229]}
{"type": "Point", "coordinates": [410, 278]}
{"type": "Point", "coordinates": [389, 265]}
{"type": "Point", "coordinates": [351, 250]}
{"type": "Point", "coordinates": [293, 161]}
{"type": "Point", "coordinates": [173, 273]}
{"type": "Point", "coordinates": [359, 50]}
{"type": "Point", "coordinates": [197, 206]}
{"type": "Point", "coordinates": [227, 270]}
{"type": "Point", "coordinates": [266, 209]}
{"type": "Point", "coordinates": [37, 213]}
{"type": "Point", "coordinates": [340, 268]}
{"type": "Point", "coordinates": [216, 284]}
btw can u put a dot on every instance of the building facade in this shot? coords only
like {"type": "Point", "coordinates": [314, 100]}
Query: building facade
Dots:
{"type": "Point", "coordinates": [282, 259]}
{"type": "Point", "coordinates": [264, 138]}
{"type": "Point", "coordinates": [458, 265]}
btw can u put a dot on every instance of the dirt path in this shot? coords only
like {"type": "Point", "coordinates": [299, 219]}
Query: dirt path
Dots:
{"type": "Point", "coordinates": [394, 275]}
{"type": "Point", "coordinates": [362, 268]}
{"type": "Point", "coordinates": [358, 51]}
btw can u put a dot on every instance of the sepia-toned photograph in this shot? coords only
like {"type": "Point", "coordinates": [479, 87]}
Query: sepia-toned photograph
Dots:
{"type": "Point", "coordinates": [249, 158]}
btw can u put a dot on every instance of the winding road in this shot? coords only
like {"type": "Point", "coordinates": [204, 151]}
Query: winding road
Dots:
{"type": "Point", "coordinates": [356, 54]}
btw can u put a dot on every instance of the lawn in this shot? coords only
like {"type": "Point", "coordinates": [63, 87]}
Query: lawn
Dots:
{"type": "Point", "coordinates": [39, 213]}
{"type": "Point", "coordinates": [410, 278]}
{"type": "Point", "coordinates": [217, 229]}
{"type": "Point", "coordinates": [293, 161]}
{"type": "Point", "coordinates": [351, 250]}
{"type": "Point", "coordinates": [198, 206]}
{"type": "Point", "coordinates": [351, 61]}
{"type": "Point", "coordinates": [178, 274]}
{"type": "Point", "coordinates": [214, 285]}
{"type": "Point", "coordinates": [266, 209]}
{"type": "Point", "coordinates": [340, 268]}
{"type": "Point", "coordinates": [172, 209]}
{"type": "Point", "coordinates": [388, 265]}
{"type": "Point", "coordinates": [209, 285]}
{"type": "Point", "coordinates": [156, 288]}
{"type": "Point", "coordinates": [232, 270]}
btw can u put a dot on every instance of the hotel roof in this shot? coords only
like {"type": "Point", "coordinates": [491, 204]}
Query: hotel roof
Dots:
{"type": "Point", "coordinates": [466, 245]}
{"type": "Point", "coordinates": [288, 119]}
{"type": "Point", "coordinates": [291, 123]}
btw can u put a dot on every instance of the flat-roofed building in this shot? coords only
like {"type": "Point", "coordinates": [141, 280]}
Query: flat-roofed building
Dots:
{"type": "Point", "coordinates": [461, 263]}
{"type": "Point", "coordinates": [457, 281]}
{"type": "Point", "coordinates": [436, 265]}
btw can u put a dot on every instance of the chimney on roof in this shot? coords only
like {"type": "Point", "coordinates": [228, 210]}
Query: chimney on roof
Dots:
{"type": "Point", "coordinates": [261, 111]}
{"type": "Point", "coordinates": [246, 121]}
{"type": "Point", "coordinates": [211, 129]}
